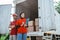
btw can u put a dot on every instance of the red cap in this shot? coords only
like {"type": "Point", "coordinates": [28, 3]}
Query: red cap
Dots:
{"type": "Point", "coordinates": [14, 14]}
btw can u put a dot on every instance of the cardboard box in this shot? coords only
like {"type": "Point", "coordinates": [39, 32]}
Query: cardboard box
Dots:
{"type": "Point", "coordinates": [37, 28]}
{"type": "Point", "coordinates": [30, 29]}
{"type": "Point", "coordinates": [36, 21]}
{"type": "Point", "coordinates": [30, 23]}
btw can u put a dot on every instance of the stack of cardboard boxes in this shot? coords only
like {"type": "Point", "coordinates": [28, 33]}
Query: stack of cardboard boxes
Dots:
{"type": "Point", "coordinates": [37, 28]}
{"type": "Point", "coordinates": [30, 26]}
{"type": "Point", "coordinates": [33, 25]}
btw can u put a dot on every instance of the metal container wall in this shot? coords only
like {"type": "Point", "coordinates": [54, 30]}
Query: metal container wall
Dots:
{"type": "Point", "coordinates": [5, 11]}
{"type": "Point", "coordinates": [46, 14]}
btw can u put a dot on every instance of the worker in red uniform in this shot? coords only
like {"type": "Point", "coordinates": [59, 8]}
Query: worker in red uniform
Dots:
{"type": "Point", "coordinates": [22, 29]}
{"type": "Point", "coordinates": [13, 30]}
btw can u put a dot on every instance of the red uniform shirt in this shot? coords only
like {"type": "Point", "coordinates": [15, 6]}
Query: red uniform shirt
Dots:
{"type": "Point", "coordinates": [21, 29]}
{"type": "Point", "coordinates": [13, 30]}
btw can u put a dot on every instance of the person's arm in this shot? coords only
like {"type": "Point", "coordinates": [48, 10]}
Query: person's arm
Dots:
{"type": "Point", "coordinates": [17, 25]}
{"type": "Point", "coordinates": [22, 24]}
{"type": "Point", "coordinates": [25, 25]}
{"type": "Point", "coordinates": [11, 27]}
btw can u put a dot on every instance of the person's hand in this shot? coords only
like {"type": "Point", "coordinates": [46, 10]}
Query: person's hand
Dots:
{"type": "Point", "coordinates": [9, 29]}
{"type": "Point", "coordinates": [12, 26]}
{"type": "Point", "coordinates": [22, 24]}
{"type": "Point", "coordinates": [25, 25]}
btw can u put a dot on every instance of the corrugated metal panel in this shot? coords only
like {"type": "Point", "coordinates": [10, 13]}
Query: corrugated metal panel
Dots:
{"type": "Point", "coordinates": [5, 11]}
{"type": "Point", "coordinates": [46, 12]}
{"type": "Point", "coordinates": [57, 22]}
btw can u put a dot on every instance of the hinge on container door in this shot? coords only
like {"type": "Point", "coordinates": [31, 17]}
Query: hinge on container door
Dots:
{"type": "Point", "coordinates": [39, 17]}
{"type": "Point", "coordinates": [38, 7]}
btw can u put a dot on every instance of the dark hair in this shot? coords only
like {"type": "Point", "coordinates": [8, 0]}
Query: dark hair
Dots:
{"type": "Point", "coordinates": [21, 13]}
